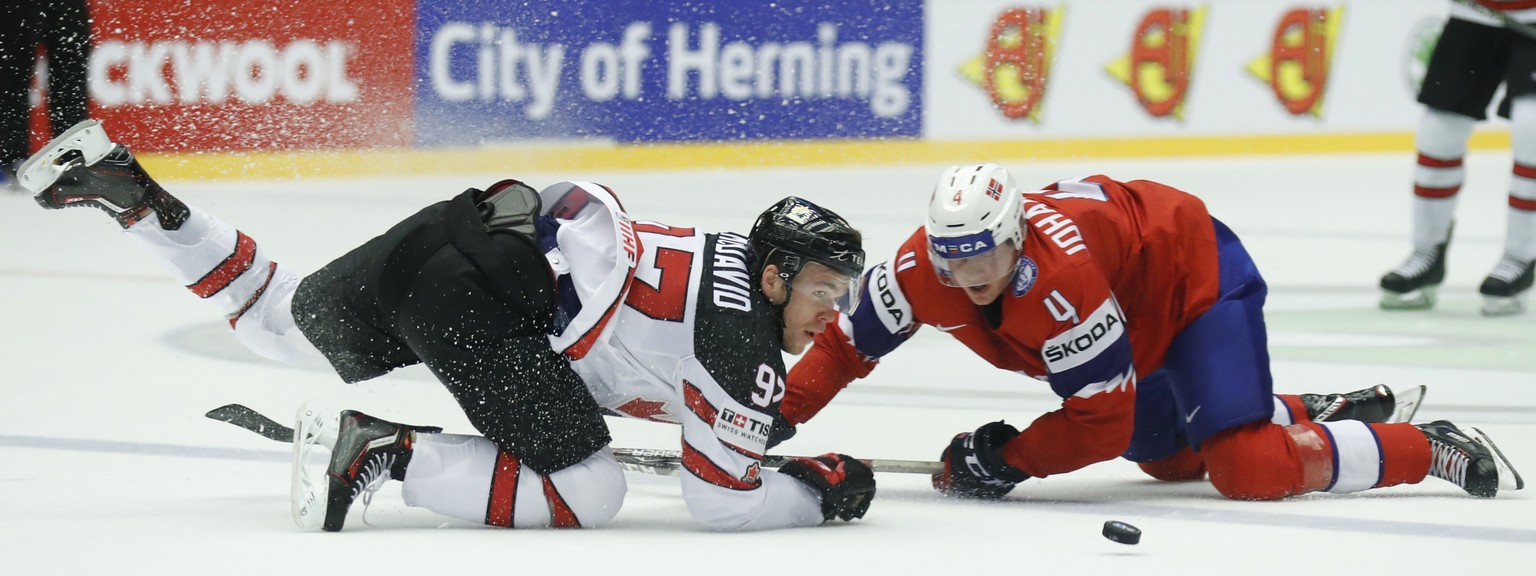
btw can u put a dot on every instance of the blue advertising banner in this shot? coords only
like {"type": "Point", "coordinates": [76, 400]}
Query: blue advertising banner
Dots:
{"type": "Point", "coordinates": [667, 70]}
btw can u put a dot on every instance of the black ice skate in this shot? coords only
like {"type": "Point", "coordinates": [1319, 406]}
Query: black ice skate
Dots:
{"type": "Point", "coordinates": [1415, 283]}
{"type": "Point", "coordinates": [369, 452]}
{"type": "Point", "coordinates": [1470, 461]}
{"type": "Point", "coordinates": [365, 453]}
{"type": "Point", "coordinates": [83, 167]}
{"type": "Point", "coordinates": [1507, 288]}
{"type": "Point", "coordinates": [1377, 404]}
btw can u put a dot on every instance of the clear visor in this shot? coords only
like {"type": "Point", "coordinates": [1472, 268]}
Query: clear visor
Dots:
{"type": "Point", "coordinates": [826, 288]}
{"type": "Point", "coordinates": [977, 270]}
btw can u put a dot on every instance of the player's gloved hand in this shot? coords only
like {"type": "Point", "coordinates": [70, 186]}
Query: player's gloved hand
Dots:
{"type": "Point", "coordinates": [782, 430]}
{"type": "Point", "coordinates": [974, 465]}
{"type": "Point", "coordinates": [846, 485]}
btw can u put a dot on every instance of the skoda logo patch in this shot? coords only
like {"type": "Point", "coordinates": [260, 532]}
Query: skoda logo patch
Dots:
{"type": "Point", "coordinates": [1024, 279]}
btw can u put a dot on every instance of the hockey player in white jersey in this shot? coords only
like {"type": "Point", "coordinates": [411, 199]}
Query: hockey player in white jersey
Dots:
{"type": "Point", "coordinates": [1473, 58]}
{"type": "Point", "coordinates": [539, 312]}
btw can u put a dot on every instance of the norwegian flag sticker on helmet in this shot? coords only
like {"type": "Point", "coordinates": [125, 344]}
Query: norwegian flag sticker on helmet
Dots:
{"type": "Point", "coordinates": [995, 189]}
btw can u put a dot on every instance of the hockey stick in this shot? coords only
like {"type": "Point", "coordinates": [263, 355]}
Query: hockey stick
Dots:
{"type": "Point", "coordinates": [647, 460]}
{"type": "Point", "coordinates": [1508, 21]}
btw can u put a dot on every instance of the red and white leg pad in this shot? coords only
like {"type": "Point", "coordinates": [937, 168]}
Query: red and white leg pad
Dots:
{"type": "Point", "coordinates": [208, 256]}
{"type": "Point", "coordinates": [469, 478]}
{"type": "Point", "coordinates": [1263, 461]}
{"type": "Point", "coordinates": [230, 270]}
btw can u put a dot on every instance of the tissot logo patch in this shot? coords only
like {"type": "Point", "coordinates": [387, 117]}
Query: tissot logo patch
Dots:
{"type": "Point", "coordinates": [743, 428]}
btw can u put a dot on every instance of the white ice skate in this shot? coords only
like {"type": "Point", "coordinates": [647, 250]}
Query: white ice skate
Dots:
{"type": "Point", "coordinates": [44, 168]}
{"type": "Point", "coordinates": [307, 489]}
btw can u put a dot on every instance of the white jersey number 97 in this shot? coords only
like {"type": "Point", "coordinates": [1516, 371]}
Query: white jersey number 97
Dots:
{"type": "Point", "coordinates": [770, 387]}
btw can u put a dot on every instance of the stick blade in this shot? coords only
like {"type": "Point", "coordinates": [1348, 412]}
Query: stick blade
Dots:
{"type": "Point", "coordinates": [252, 420]}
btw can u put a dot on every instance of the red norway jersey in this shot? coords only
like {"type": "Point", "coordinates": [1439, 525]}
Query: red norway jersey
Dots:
{"type": "Point", "coordinates": [1110, 273]}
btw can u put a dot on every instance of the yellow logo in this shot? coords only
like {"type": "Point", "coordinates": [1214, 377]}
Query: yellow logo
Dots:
{"type": "Point", "coordinates": [1161, 60]}
{"type": "Point", "coordinates": [1017, 61]}
{"type": "Point", "coordinates": [1296, 67]}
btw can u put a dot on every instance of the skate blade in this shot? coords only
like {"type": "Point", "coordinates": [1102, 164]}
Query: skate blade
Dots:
{"type": "Point", "coordinates": [1504, 305]}
{"type": "Point", "coordinates": [1509, 479]}
{"type": "Point", "coordinates": [1406, 404]}
{"type": "Point", "coordinates": [306, 496]}
{"type": "Point", "coordinates": [1421, 299]}
{"type": "Point", "coordinates": [43, 169]}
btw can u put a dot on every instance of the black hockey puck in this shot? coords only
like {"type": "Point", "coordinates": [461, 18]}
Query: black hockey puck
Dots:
{"type": "Point", "coordinates": [1122, 532]}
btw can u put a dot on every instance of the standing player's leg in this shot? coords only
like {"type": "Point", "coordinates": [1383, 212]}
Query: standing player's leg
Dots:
{"type": "Point", "coordinates": [1507, 288]}
{"type": "Point", "coordinates": [1464, 72]}
{"type": "Point", "coordinates": [67, 40]}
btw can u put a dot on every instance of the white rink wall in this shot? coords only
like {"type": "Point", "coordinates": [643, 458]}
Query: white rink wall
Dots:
{"type": "Point", "coordinates": [1139, 68]}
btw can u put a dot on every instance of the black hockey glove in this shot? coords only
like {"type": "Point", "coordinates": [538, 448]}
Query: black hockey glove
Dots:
{"type": "Point", "coordinates": [846, 485]}
{"type": "Point", "coordinates": [974, 465]}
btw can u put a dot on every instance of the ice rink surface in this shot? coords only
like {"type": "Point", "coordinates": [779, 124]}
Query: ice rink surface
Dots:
{"type": "Point", "coordinates": [108, 467]}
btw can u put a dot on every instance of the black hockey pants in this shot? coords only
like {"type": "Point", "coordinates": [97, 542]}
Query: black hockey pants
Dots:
{"type": "Point", "coordinates": [476, 308]}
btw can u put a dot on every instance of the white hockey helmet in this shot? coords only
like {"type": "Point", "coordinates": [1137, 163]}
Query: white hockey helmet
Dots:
{"type": "Point", "coordinates": [973, 225]}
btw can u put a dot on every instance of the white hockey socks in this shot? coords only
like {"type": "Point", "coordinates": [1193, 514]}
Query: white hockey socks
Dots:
{"type": "Point", "coordinates": [1437, 179]}
{"type": "Point", "coordinates": [1520, 231]}
{"type": "Point", "coordinates": [211, 258]}
{"type": "Point", "coordinates": [230, 270]}
{"type": "Point", "coordinates": [1356, 456]}
{"type": "Point", "coordinates": [469, 478]}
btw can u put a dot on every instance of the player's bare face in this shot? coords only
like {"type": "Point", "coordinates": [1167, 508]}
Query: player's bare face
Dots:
{"type": "Point", "coordinates": [812, 305]}
{"type": "Point", "coordinates": [984, 294]}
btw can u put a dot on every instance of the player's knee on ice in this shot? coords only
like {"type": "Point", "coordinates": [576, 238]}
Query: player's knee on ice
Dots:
{"type": "Point", "coordinates": [1253, 462]}
{"type": "Point", "coordinates": [1183, 466]}
{"type": "Point", "coordinates": [456, 476]}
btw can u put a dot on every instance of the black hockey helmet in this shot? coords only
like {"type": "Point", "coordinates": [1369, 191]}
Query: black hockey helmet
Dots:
{"type": "Point", "coordinates": [795, 231]}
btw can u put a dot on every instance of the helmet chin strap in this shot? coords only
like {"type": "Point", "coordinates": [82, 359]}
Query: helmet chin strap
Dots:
{"type": "Point", "coordinates": [789, 292]}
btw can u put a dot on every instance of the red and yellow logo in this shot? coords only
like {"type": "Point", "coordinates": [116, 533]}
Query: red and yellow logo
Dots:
{"type": "Point", "coordinates": [1296, 67]}
{"type": "Point", "coordinates": [1017, 61]}
{"type": "Point", "coordinates": [1161, 60]}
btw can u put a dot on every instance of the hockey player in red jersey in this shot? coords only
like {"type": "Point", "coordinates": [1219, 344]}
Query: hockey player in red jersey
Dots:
{"type": "Point", "coordinates": [539, 312]}
{"type": "Point", "coordinates": [1144, 314]}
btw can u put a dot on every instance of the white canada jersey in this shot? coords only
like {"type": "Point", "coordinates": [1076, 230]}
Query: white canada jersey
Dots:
{"type": "Point", "coordinates": [662, 323]}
